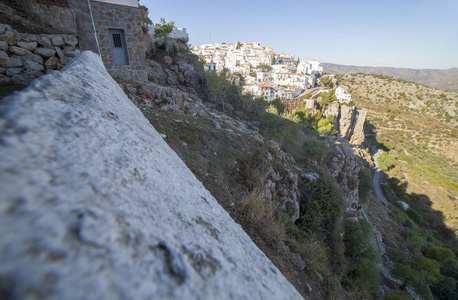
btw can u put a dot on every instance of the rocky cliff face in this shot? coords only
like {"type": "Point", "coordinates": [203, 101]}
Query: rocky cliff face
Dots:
{"type": "Point", "coordinates": [95, 203]}
{"type": "Point", "coordinates": [348, 120]}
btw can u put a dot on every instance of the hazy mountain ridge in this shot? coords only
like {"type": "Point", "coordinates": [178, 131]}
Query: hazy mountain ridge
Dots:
{"type": "Point", "coordinates": [441, 79]}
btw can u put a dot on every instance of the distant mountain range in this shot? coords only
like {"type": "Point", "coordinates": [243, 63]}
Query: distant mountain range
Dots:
{"type": "Point", "coordinates": [441, 79]}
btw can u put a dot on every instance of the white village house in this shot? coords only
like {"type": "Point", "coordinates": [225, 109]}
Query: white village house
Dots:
{"type": "Point", "coordinates": [342, 95]}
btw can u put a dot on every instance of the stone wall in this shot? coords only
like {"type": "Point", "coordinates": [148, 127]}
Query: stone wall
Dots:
{"type": "Point", "coordinates": [111, 16]}
{"type": "Point", "coordinates": [23, 57]}
{"type": "Point", "coordinates": [54, 18]}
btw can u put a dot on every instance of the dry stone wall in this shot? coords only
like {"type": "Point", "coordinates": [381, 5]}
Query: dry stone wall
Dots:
{"type": "Point", "coordinates": [24, 56]}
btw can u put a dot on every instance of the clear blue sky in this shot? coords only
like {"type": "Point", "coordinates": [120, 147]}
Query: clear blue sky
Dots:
{"type": "Point", "coordinates": [389, 33]}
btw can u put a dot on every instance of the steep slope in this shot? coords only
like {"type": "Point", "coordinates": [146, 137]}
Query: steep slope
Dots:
{"type": "Point", "coordinates": [95, 203]}
{"type": "Point", "coordinates": [441, 79]}
{"type": "Point", "coordinates": [418, 125]}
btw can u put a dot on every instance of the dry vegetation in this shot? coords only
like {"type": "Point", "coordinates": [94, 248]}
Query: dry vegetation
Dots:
{"type": "Point", "coordinates": [418, 125]}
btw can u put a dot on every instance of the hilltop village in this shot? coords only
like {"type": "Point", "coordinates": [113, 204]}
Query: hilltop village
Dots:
{"type": "Point", "coordinates": [264, 73]}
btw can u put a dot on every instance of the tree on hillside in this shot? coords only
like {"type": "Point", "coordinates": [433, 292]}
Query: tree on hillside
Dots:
{"type": "Point", "coordinates": [326, 127]}
{"type": "Point", "coordinates": [385, 162]}
{"type": "Point", "coordinates": [238, 46]}
{"type": "Point", "coordinates": [265, 67]}
{"type": "Point", "coordinates": [162, 28]}
{"type": "Point", "coordinates": [273, 60]}
{"type": "Point", "coordinates": [327, 97]}
{"type": "Point", "coordinates": [279, 105]}
{"type": "Point", "coordinates": [327, 82]}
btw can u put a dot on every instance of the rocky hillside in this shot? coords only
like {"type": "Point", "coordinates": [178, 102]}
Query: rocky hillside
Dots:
{"type": "Point", "coordinates": [418, 125]}
{"type": "Point", "coordinates": [302, 198]}
{"type": "Point", "coordinates": [441, 79]}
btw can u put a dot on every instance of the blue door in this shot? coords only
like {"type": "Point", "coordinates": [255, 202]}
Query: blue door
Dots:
{"type": "Point", "coordinates": [118, 46]}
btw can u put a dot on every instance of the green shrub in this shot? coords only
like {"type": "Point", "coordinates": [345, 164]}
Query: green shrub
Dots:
{"type": "Point", "coordinates": [398, 256]}
{"type": "Point", "coordinates": [218, 84]}
{"type": "Point", "coordinates": [362, 274]}
{"type": "Point", "coordinates": [326, 127]}
{"type": "Point", "coordinates": [279, 105]}
{"type": "Point", "coordinates": [366, 185]}
{"type": "Point", "coordinates": [415, 216]}
{"type": "Point", "coordinates": [321, 202]}
{"type": "Point", "coordinates": [283, 129]}
{"type": "Point", "coordinates": [440, 254]}
{"type": "Point", "coordinates": [445, 288]}
{"type": "Point", "coordinates": [428, 269]}
{"type": "Point", "coordinates": [385, 162]}
{"type": "Point", "coordinates": [357, 237]}
{"type": "Point", "coordinates": [417, 243]}
{"type": "Point", "coordinates": [314, 148]}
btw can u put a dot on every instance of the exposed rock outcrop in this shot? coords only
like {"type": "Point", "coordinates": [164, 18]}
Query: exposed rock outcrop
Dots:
{"type": "Point", "coordinates": [348, 120]}
{"type": "Point", "coordinates": [95, 203]}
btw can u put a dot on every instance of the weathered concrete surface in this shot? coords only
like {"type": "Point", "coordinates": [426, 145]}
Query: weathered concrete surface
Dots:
{"type": "Point", "coordinates": [95, 205]}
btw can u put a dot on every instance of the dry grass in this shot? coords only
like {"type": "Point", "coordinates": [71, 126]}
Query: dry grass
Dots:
{"type": "Point", "coordinates": [257, 216]}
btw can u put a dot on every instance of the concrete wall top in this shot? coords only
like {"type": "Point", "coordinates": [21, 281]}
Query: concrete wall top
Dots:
{"type": "Point", "coordinates": [96, 205]}
{"type": "Point", "coordinates": [133, 3]}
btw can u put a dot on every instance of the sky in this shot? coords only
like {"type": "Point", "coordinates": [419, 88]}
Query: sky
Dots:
{"type": "Point", "coordinates": [401, 33]}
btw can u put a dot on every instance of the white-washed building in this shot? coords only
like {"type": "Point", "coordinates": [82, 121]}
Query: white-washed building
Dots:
{"type": "Point", "coordinates": [342, 95]}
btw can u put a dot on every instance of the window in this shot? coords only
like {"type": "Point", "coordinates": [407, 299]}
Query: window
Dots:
{"type": "Point", "coordinates": [118, 47]}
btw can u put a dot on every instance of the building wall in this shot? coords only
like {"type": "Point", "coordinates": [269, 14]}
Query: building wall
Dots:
{"type": "Point", "coordinates": [111, 16]}
{"type": "Point", "coordinates": [178, 33]}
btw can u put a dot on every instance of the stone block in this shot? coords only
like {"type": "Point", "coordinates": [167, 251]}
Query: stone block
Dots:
{"type": "Point", "coordinates": [35, 57]}
{"type": "Point", "coordinates": [10, 62]}
{"type": "Point", "coordinates": [33, 66]}
{"type": "Point", "coordinates": [32, 37]}
{"type": "Point", "coordinates": [44, 41]}
{"type": "Point", "coordinates": [13, 71]}
{"type": "Point", "coordinates": [167, 60]}
{"type": "Point", "coordinates": [63, 59]}
{"type": "Point", "coordinates": [10, 37]}
{"type": "Point", "coordinates": [19, 51]}
{"type": "Point", "coordinates": [23, 36]}
{"type": "Point", "coordinates": [51, 63]}
{"type": "Point", "coordinates": [4, 79]}
{"type": "Point", "coordinates": [2, 70]}
{"type": "Point", "coordinates": [4, 27]}
{"type": "Point", "coordinates": [27, 45]}
{"type": "Point", "coordinates": [57, 41]}
{"type": "Point", "coordinates": [3, 45]}
{"type": "Point", "coordinates": [4, 55]}
{"type": "Point", "coordinates": [45, 52]}
{"type": "Point", "coordinates": [71, 51]}
{"type": "Point", "coordinates": [71, 40]}
{"type": "Point", "coordinates": [22, 79]}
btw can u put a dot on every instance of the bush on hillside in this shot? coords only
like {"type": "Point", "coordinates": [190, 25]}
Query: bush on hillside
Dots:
{"type": "Point", "coordinates": [313, 148]}
{"type": "Point", "coordinates": [365, 186]}
{"type": "Point", "coordinates": [362, 274]}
